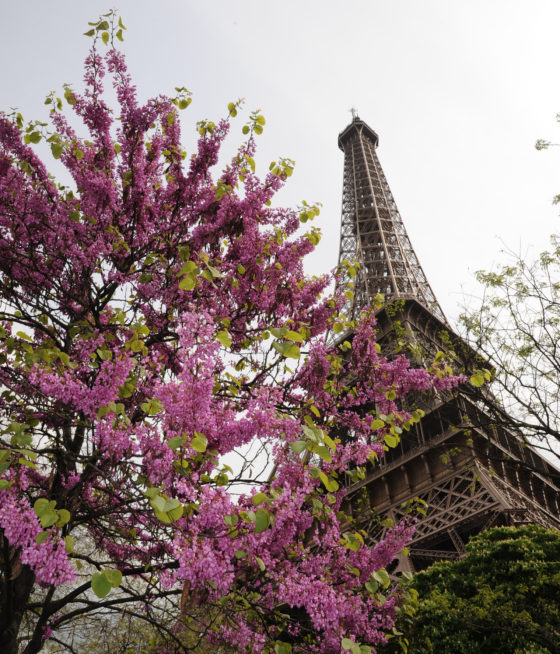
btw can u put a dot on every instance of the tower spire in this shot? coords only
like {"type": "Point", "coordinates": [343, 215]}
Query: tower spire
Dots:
{"type": "Point", "coordinates": [372, 230]}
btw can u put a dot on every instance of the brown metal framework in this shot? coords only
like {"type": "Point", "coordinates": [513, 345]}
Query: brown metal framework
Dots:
{"type": "Point", "coordinates": [470, 473]}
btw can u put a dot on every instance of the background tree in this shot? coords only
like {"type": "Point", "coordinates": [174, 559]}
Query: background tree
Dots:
{"type": "Point", "coordinates": [503, 596]}
{"type": "Point", "coordinates": [515, 325]}
{"type": "Point", "coordinates": [154, 321]}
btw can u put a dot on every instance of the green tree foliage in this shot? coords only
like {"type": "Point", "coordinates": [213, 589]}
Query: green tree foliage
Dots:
{"type": "Point", "coordinates": [503, 597]}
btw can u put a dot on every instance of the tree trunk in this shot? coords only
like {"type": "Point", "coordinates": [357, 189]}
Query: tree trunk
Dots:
{"type": "Point", "coordinates": [14, 595]}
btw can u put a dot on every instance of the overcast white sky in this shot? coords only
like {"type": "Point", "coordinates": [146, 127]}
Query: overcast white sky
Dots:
{"type": "Point", "coordinates": [457, 91]}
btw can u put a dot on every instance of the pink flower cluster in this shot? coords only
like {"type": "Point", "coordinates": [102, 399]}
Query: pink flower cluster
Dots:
{"type": "Point", "coordinates": [49, 560]}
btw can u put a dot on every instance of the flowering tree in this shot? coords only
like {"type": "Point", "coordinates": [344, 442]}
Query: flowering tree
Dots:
{"type": "Point", "coordinates": [155, 319]}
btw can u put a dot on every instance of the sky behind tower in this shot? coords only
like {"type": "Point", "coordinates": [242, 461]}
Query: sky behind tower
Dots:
{"type": "Point", "coordinates": [457, 91]}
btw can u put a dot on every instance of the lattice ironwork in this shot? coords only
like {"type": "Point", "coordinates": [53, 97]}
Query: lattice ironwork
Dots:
{"type": "Point", "coordinates": [372, 231]}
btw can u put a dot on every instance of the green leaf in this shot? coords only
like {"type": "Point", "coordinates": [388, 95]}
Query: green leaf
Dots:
{"type": "Point", "coordinates": [390, 440]}
{"type": "Point", "coordinates": [27, 463]}
{"type": "Point", "coordinates": [382, 577]}
{"type": "Point", "coordinates": [329, 442]}
{"type": "Point", "coordinates": [262, 520]}
{"type": "Point", "coordinates": [298, 446]}
{"type": "Point", "coordinates": [104, 355]}
{"type": "Point", "coordinates": [293, 352]}
{"type": "Point", "coordinates": [102, 411]}
{"type": "Point", "coordinates": [100, 585]}
{"type": "Point", "coordinates": [294, 336]}
{"type": "Point", "coordinates": [187, 283]}
{"type": "Point", "coordinates": [329, 483]}
{"type": "Point", "coordinates": [187, 268]}
{"type": "Point", "coordinates": [260, 563]}
{"type": "Point", "coordinates": [41, 537]}
{"type": "Point", "coordinates": [69, 544]}
{"type": "Point", "coordinates": [176, 442]}
{"type": "Point", "coordinates": [315, 411]}
{"type": "Point", "coordinates": [49, 519]}
{"type": "Point", "coordinates": [171, 504]}
{"type": "Point", "coordinates": [199, 442]}
{"type": "Point", "coordinates": [259, 498]}
{"type": "Point", "coordinates": [63, 517]}
{"type": "Point", "coordinates": [213, 271]}
{"type": "Point", "coordinates": [224, 338]}
{"type": "Point", "coordinates": [377, 424]}
{"type": "Point", "coordinates": [152, 407]}
{"type": "Point", "coordinates": [477, 379]}
{"type": "Point", "coordinates": [372, 587]}
{"type": "Point", "coordinates": [240, 554]}
{"type": "Point", "coordinates": [282, 648]}
{"type": "Point", "coordinates": [114, 577]}
{"type": "Point", "coordinates": [41, 506]}
{"type": "Point", "coordinates": [4, 483]}
{"type": "Point", "coordinates": [105, 37]}
{"type": "Point", "coordinates": [158, 502]}
{"type": "Point", "coordinates": [347, 644]}
{"type": "Point", "coordinates": [324, 453]}
{"type": "Point", "coordinates": [287, 349]}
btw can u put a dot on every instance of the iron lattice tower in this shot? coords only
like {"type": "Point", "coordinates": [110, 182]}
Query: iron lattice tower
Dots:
{"type": "Point", "coordinates": [471, 473]}
{"type": "Point", "coordinates": [372, 231]}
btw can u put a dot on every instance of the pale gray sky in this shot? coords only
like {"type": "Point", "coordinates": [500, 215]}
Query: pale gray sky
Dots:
{"type": "Point", "coordinates": [457, 91]}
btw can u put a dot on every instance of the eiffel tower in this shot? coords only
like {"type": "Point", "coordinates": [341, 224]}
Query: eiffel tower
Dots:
{"type": "Point", "coordinates": [471, 473]}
